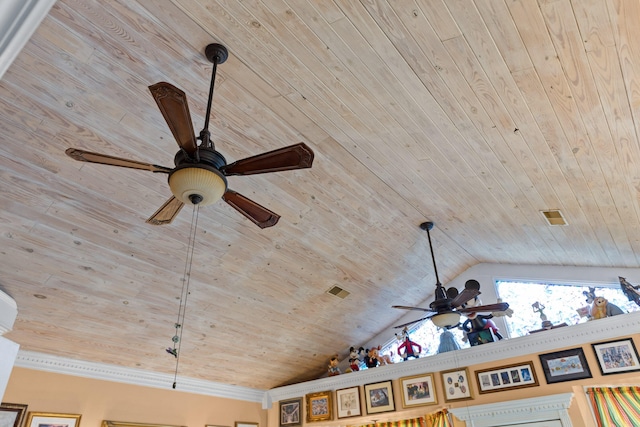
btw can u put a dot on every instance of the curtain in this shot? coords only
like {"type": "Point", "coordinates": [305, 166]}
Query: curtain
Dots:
{"type": "Point", "coordinates": [439, 419]}
{"type": "Point", "coordinates": [412, 422]}
{"type": "Point", "coordinates": [615, 406]}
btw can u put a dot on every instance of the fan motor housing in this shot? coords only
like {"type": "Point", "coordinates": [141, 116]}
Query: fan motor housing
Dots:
{"type": "Point", "coordinates": [198, 182]}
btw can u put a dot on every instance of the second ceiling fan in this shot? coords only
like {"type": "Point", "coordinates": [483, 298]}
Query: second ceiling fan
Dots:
{"type": "Point", "coordinates": [199, 175]}
{"type": "Point", "coordinates": [449, 304]}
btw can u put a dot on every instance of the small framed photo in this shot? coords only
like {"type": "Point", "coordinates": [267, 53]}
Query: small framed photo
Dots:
{"type": "Point", "coordinates": [46, 419]}
{"type": "Point", "coordinates": [245, 424]}
{"type": "Point", "coordinates": [291, 412]}
{"type": "Point", "coordinates": [506, 377]}
{"type": "Point", "coordinates": [319, 406]}
{"type": "Point", "coordinates": [456, 385]}
{"type": "Point", "coordinates": [348, 402]}
{"type": "Point", "coordinates": [379, 397]}
{"type": "Point", "coordinates": [418, 390]}
{"type": "Point", "coordinates": [12, 414]}
{"type": "Point", "coordinates": [566, 365]}
{"type": "Point", "coordinates": [615, 357]}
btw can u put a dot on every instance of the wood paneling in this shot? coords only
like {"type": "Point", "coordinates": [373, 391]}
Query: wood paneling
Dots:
{"type": "Point", "coordinates": [474, 114]}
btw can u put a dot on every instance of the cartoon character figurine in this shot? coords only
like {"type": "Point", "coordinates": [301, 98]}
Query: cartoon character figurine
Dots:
{"type": "Point", "coordinates": [408, 348]}
{"type": "Point", "coordinates": [601, 308]}
{"type": "Point", "coordinates": [371, 358]}
{"type": "Point", "coordinates": [354, 359]}
{"type": "Point", "coordinates": [479, 322]}
{"type": "Point", "coordinates": [333, 366]}
{"type": "Point", "coordinates": [629, 290]}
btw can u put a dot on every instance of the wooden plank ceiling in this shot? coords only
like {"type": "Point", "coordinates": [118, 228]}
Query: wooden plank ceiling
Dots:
{"type": "Point", "coordinates": [474, 114]}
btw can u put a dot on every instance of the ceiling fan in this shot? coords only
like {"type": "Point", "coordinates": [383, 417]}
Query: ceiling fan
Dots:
{"type": "Point", "coordinates": [449, 304]}
{"type": "Point", "coordinates": [199, 175]}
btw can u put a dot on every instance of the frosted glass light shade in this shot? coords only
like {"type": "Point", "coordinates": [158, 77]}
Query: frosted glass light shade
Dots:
{"type": "Point", "coordinates": [209, 184]}
{"type": "Point", "coordinates": [443, 320]}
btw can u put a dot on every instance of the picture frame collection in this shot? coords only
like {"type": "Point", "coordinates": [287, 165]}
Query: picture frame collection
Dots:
{"type": "Point", "coordinates": [614, 357]}
{"type": "Point", "coordinates": [617, 356]}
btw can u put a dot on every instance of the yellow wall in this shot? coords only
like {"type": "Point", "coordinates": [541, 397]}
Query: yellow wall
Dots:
{"type": "Point", "coordinates": [98, 400]}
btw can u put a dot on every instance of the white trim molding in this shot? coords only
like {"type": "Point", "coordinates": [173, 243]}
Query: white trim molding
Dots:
{"type": "Point", "coordinates": [8, 313]}
{"type": "Point", "coordinates": [19, 19]}
{"type": "Point", "coordinates": [100, 371]}
{"type": "Point", "coordinates": [546, 408]}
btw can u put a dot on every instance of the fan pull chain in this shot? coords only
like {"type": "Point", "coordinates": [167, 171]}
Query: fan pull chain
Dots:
{"type": "Point", "coordinates": [184, 295]}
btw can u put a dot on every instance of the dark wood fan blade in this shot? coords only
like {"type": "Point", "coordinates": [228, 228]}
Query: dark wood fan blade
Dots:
{"type": "Point", "coordinates": [414, 322]}
{"type": "Point", "coordinates": [175, 110]}
{"type": "Point", "coordinates": [408, 307]}
{"type": "Point", "coordinates": [104, 159]}
{"type": "Point", "coordinates": [501, 306]}
{"type": "Point", "coordinates": [259, 215]}
{"type": "Point", "coordinates": [298, 156]}
{"type": "Point", "coordinates": [464, 296]}
{"type": "Point", "coordinates": [166, 213]}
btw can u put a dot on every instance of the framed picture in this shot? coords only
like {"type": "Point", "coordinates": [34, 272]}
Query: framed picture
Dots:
{"type": "Point", "coordinates": [618, 356]}
{"type": "Point", "coordinates": [12, 414]}
{"type": "Point", "coordinates": [109, 423]}
{"type": "Point", "coordinates": [456, 385]}
{"type": "Point", "coordinates": [506, 377]}
{"type": "Point", "coordinates": [348, 400]}
{"type": "Point", "coordinates": [418, 390]}
{"type": "Point", "coordinates": [245, 424]}
{"type": "Point", "coordinates": [567, 365]}
{"type": "Point", "coordinates": [46, 419]}
{"type": "Point", "coordinates": [291, 412]}
{"type": "Point", "coordinates": [319, 406]}
{"type": "Point", "coordinates": [379, 397]}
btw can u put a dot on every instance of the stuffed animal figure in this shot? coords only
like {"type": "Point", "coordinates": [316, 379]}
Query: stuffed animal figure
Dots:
{"type": "Point", "coordinates": [333, 366]}
{"type": "Point", "coordinates": [601, 308]}
{"type": "Point", "coordinates": [631, 292]}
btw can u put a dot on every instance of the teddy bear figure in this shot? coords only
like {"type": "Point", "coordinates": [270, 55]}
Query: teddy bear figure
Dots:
{"type": "Point", "coordinates": [601, 308]}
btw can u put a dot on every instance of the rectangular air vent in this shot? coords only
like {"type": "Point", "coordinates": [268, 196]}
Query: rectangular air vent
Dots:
{"type": "Point", "coordinates": [339, 292]}
{"type": "Point", "coordinates": [554, 217]}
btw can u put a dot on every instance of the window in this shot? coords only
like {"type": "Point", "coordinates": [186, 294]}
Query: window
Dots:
{"type": "Point", "coordinates": [561, 302]}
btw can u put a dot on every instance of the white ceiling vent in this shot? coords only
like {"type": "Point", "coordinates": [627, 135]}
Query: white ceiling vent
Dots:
{"type": "Point", "coordinates": [554, 217]}
{"type": "Point", "coordinates": [339, 292]}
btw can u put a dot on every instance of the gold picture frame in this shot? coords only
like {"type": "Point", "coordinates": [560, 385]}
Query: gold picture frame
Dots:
{"type": "Point", "coordinates": [109, 423]}
{"type": "Point", "coordinates": [14, 412]}
{"type": "Point", "coordinates": [418, 390]}
{"type": "Point", "coordinates": [319, 406]}
{"type": "Point", "coordinates": [46, 419]}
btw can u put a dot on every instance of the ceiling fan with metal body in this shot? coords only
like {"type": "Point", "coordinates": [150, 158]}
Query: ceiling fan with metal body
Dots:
{"type": "Point", "coordinates": [449, 304]}
{"type": "Point", "coordinates": [199, 175]}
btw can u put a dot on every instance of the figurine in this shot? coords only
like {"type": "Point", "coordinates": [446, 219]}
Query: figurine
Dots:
{"type": "Point", "coordinates": [601, 308]}
{"type": "Point", "coordinates": [478, 322]}
{"type": "Point", "coordinates": [629, 290]}
{"type": "Point", "coordinates": [333, 366]}
{"type": "Point", "coordinates": [354, 359]}
{"type": "Point", "coordinates": [371, 358]}
{"type": "Point", "coordinates": [406, 349]}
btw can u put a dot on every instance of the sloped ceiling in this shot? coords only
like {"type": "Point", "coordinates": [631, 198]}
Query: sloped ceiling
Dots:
{"type": "Point", "coordinates": [477, 115]}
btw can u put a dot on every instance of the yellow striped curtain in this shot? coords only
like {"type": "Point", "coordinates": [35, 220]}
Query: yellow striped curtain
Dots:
{"type": "Point", "coordinates": [412, 422]}
{"type": "Point", "coordinates": [615, 406]}
{"type": "Point", "coordinates": [439, 419]}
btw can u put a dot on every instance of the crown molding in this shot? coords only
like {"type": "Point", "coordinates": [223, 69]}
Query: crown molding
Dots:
{"type": "Point", "coordinates": [19, 19]}
{"type": "Point", "coordinates": [551, 340]}
{"type": "Point", "coordinates": [554, 339]}
{"type": "Point", "coordinates": [100, 371]}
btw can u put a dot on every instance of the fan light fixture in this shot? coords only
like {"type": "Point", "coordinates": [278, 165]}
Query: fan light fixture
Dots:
{"type": "Point", "coordinates": [444, 320]}
{"type": "Point", "coordinates": [197, 185]}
